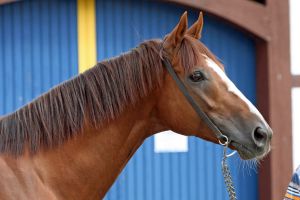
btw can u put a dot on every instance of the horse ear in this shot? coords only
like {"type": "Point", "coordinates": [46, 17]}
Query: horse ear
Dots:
{"type": "Point", "coordinates": [174, 39]}
{"type": "Point", "coordinates": [196, 29]}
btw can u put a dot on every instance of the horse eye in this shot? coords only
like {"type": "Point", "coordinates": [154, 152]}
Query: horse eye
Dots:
{"type": "Point", "coordinates": [197, 76]}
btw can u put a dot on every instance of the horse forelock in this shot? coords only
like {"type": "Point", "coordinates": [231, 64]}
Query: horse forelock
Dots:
{"type": "Point", "coordinates": [191, 53]}
{"type": "Point", "coordinates": [98, 95]}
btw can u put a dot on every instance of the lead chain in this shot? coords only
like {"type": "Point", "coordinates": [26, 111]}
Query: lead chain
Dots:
{"type": "Point", "coordinates": [227, 175]}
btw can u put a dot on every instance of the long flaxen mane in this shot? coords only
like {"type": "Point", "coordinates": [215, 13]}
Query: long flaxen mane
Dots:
{"type": "Point", "coordinates": [98, 96]}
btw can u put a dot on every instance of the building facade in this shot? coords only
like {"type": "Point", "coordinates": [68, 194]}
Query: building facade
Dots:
{"type": "Point", "coordinates": [46, 42]}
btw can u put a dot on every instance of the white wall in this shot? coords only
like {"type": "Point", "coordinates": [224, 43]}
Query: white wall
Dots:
{"type": "Point", "coordinates": [296, 126]}
{"type": "Point", "coordinates": [295, 36]}
{"type": "Point", "coordinates": [295, 70]}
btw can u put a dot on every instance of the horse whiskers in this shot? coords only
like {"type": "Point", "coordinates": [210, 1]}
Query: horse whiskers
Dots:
{"type": "Point", "coordinates": [246, 166]}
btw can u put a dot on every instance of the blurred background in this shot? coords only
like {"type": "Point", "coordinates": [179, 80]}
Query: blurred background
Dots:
{"type": "Point", "coordinates": [45, 42]}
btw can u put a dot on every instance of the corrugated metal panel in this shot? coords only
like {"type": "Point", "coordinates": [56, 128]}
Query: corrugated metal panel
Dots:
{"type": "Point", "coordinates": [38, 49]}
{"type": "Point", "coordinates": [121, 25]}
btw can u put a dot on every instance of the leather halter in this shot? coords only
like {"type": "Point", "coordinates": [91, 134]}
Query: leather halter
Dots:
{"type": "Point", "coordinates": [223, 139]}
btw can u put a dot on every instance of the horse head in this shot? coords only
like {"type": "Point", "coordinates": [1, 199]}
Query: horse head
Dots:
{"type": "Point", "coordinates": [205, 79]}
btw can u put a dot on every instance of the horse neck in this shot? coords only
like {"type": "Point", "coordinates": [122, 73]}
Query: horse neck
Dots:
{"type": "Point", "coordinates": [89, 164]}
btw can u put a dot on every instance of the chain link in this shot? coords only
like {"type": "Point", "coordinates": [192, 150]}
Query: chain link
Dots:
{"type": "Point", "coordinates": [227, 175]}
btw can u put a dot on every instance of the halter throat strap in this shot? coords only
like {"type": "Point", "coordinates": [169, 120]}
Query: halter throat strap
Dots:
{"type": "Point", "coordinates": [223, 140]}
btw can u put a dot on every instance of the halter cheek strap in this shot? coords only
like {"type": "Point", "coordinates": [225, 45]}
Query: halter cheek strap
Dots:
{"type": "Point", "coordinates": [223, 140]}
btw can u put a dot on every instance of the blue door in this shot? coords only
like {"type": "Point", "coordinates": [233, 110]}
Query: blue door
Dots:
{"type": "Point", "coordinates": [38, 49]}
{"type": "Point", "coordinates": [122, 25]}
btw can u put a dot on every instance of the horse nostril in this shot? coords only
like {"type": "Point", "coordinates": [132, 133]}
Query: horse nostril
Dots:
{"type": "Point", "coordinates": [260, 137]}
{"type": "Point", "coordinates": [259, 134]}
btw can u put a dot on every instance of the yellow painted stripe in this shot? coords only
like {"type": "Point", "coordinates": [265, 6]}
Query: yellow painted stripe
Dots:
{"type": "Point", "coordinates": [86, 19]}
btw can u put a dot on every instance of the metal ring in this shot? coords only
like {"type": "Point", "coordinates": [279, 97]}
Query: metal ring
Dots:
{"type": "Point", "coordinates": [226, 140]}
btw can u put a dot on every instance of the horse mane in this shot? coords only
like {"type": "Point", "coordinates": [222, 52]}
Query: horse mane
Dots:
{"type": "Point", "coordinates": [98, 96]}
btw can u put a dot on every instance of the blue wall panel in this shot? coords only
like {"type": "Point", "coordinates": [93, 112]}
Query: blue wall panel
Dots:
{"type": "Point", "coordinates": [121, 25]}
{"type": "Point", "coordinates": [38, 49]}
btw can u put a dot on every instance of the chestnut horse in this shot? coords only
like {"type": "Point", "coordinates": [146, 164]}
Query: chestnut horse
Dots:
{"type": "Point", "coordinates": [73, 141]}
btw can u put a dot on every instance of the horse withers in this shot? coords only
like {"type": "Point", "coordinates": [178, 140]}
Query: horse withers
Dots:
{"type": "Point", "coordinates": [73, 141]}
